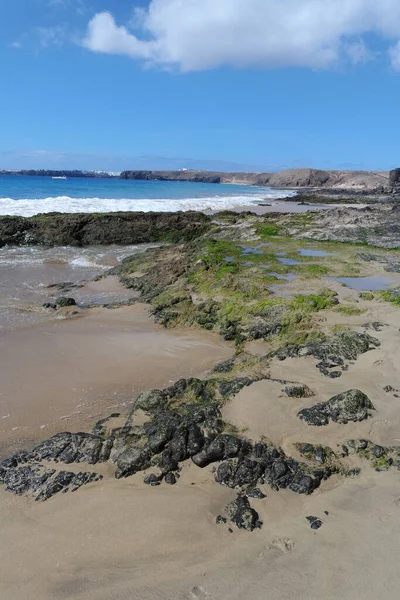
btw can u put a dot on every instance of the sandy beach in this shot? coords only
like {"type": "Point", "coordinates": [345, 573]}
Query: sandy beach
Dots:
{"type": "Point", "coordinates": [123, 538]}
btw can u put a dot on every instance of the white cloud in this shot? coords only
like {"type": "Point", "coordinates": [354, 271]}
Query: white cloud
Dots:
{"type": "Point", "coordinates": [202, 34]}
{"type": "Point", "coordinates": [16, 45]}
{"type": "Point", "coordinates": [394, 53]}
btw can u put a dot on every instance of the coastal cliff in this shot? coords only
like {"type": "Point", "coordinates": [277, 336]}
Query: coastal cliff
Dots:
{"type": "Point", "coordinates": [369, 181]}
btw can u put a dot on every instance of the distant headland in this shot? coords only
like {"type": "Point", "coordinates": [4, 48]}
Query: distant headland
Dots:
{"type": "Point", "coordinates": [353, 181]}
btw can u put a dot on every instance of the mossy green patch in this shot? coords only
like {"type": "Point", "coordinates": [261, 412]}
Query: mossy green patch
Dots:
{"type": "Point", "coordinates": [366, 296]}
{"type": "Point", "coordinates": [349, 310]}
{"type": "Point", "coordinates": [392, 296]}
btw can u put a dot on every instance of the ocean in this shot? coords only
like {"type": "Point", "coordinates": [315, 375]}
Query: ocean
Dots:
{"type": "Point", "coordinates": [30, 195]}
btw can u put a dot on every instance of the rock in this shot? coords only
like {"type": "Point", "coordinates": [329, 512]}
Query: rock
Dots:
{"type": "Point", "coordinates": [41, 482]}
{"type": "Point", "coordinates": [220, 520]}
{"type": "Point", "coordinates": [69, 448]}
{"type": "Point", "coordinates": [298, 391]}
{"type": "Point", "coordinates": [224, 446]}
{"type": "Point", "coordinates": [233, 387]}
{"type": "Point", "coordinates": [352, 405]}
{"type": "Point", "coordinates": [378, 451]}
{"type": "Point", "coordinates": [394, 177]}
{"type": "Point", "coordinates": [315, 522]}
{"type": "Point", "coordinates": [375, 226]}
{"type": "Point", "coordinates": [170, 478]}
{"type": "Point", "coordinates": [241, 513]}
{"type": "Point", "coordinates": [255, 493]}
{"type": "Point", "coordinates": [153, 479]}
{"type": "Point", "coordinates": [99, 428]}
{"type": "Point", "coordinates": [265, 464]}
{"type": "Point", "coordinates": [333, 351]}
{"type": "Point", "coordinates": [132, 460]}
{"type": "Point", "coordinates": [49, 305]}
{"type": "Point", "coordinates": [225, 367]}
{"type": "Point", "coordinates": [321, 454]}
{"type": "Point", "coordinates": [151, 400]}
{"type": "Point", "coordinates": [63, 302]}
{"type": "Point", "coordinates": [85, 229]}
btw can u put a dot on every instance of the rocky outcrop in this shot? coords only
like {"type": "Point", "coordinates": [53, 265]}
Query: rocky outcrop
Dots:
{"type": "Point", "coordinates": [333, 352]}
{"type": "Point", "coordinates": [374, 226]}
{"type": "Point", "coordinates": [352, 405]}
{"type": "Point", "coordinates": [192, 176]}
{"type": "Point", "coordinates": [185, 423]}
{"type": "Point", "coordinates": [57, 229]}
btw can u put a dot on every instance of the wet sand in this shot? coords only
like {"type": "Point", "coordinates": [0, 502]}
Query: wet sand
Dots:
{"type": "Point", "coordinates": [65, 374]}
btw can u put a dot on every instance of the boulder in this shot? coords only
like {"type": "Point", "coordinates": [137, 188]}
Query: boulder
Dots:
{"type": "Point", "coordinates": [222, 447]}
{"type": "Point", "coordinates": [352, 405]}
{"type": "Point", "coordinates": [241, 513]}
{"type": "Point", "coordinates": [63, 302]}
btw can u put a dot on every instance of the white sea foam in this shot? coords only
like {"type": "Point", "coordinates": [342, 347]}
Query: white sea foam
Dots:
{"type": "Point", "coordinates": [28, 207]}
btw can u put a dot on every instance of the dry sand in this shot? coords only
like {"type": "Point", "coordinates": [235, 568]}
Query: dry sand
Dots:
{"type": "Point", "coordinates": [122, 540]}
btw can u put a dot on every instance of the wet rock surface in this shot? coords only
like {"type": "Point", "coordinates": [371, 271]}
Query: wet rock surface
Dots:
{"type": "Point", "coordinates": [64, 301]}
{"type": "Point", "coordinates": [58, 229]}
{"type": "Point", "coordinates": [352, 405]}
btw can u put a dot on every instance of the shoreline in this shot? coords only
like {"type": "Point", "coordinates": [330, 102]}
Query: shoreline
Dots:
{"type": "Point", "coordinates": [73, 377]}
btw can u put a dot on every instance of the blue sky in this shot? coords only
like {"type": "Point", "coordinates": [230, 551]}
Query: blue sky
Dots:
{"type": "Point", "coordinates": [216, 84]}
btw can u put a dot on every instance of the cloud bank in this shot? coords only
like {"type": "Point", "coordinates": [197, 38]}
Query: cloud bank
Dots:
{"type": "Point", "coordinates": [194, 35]}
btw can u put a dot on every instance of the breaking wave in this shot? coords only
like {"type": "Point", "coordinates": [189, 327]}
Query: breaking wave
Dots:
{"type": "Point", "coordinates": [28, 207]}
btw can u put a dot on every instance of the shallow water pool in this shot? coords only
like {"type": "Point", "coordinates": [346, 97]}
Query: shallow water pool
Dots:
{"type": "Point", "coordinates": [371, 284]}
{"type": "Point", "coordinates": [311, 252]}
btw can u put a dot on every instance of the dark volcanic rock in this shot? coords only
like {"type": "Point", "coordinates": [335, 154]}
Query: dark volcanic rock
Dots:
{"type": "Point", "coordinates": [352, 405]}
{"type": "Point", "coordinates": [333, 351]}
{"type": "Point", "coordinates": [132, 460]}
{"type": "Point", "coordinates": [153, 479]}
{"type": "Point", "coordinates": [266, 464]}
{"type": "Point", "coordinates": [41, 482]}
{"type": "Point", "coordinates": [57, 229]}
{"type": "Point", "coordinates": [315, 522]}
{"type": "Point", "coordinates": [64, 301]}
{"type": "Point", "coordinates": [241, 513]}
{"type": "Point", "coordinates": [170, 478]}
{"type": "Point", "coordinates": [316, 452]}
{"type": "Point", "coordinates": [69, 448]}
{"type": "Point", "coordinates": [255, 493]}
{"type": "Point", "coordinates": [298, 391]}
{"type": "Point", "coordinates": [224, 446]}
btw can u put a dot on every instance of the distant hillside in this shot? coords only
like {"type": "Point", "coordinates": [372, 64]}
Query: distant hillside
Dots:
{"type": "Point", "coordinates": [356, 181]}
{"type": "Point", "coordinates": [292, 178]}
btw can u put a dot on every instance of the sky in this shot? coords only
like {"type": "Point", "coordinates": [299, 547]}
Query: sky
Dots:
{"type": "Point", "coordinates": [259, 85]}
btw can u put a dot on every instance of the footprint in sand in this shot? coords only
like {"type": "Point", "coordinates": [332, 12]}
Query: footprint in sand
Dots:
{"type": "Point", "coordinates": [197, 593]}
{"type": "Point", "coordinates": [283, 544]}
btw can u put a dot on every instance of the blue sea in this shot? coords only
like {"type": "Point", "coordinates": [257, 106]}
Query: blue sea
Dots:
{"type": "Point", "coordinates": [30, 195]}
